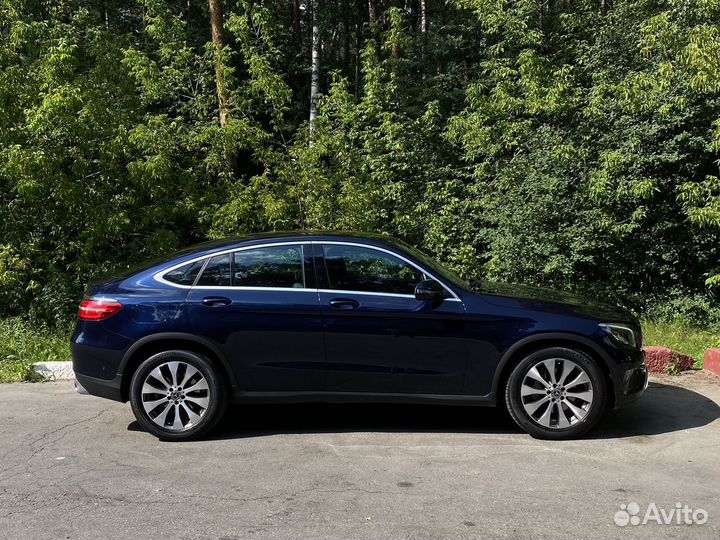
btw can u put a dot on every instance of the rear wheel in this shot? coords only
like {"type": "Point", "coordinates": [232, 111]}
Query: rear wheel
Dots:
{"type": "Point", "coordinates": [556, 393]}
{"type": "Point", "coordinates": [177, 395]}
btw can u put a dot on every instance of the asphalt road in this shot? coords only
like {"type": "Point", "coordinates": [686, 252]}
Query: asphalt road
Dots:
{"type": "Point", "coordinates": [78, 467]}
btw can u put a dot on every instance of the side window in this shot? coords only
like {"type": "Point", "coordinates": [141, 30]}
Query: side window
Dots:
{"type": "Point", "coordinates": [354, 268]}
{"type": "Point", "coordinates": [217, 272]}
{"type": "Point", "coordinates": [276, 266]}
{"type": "Point", "coordinates": [185, 275]}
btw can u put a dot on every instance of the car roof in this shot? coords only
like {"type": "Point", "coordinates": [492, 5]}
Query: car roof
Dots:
{"type": "Point", "coordinates": [348, 236]}
{"type": "Point", "coordinates": [200, 251]}
{"type": "Point", "coordinates": [206, 249]}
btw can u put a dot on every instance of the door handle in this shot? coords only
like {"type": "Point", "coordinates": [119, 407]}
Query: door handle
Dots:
{"type": "Point", "coordinates": [214, 301]}
{"type": "Point", "coordinates": [344, 303]}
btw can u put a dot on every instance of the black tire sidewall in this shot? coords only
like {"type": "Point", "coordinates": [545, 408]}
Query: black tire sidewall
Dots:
{"type": "Point", "coordinates": [216, 407]}
{"type": "Point", "coordinates": [521, 417]}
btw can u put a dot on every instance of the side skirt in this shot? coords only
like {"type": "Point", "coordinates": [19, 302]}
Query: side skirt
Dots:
{"type": "Point", "coordinates": [240, 396]}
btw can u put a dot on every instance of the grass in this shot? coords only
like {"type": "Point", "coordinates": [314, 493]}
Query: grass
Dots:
{"type": "Point", "coordinates": [22, 345]}
{"type": "Point", "coordinates": [682, 338]}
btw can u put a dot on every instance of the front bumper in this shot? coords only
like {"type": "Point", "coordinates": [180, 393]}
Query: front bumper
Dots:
{"type": "Point", "coordinates": [631, 381]}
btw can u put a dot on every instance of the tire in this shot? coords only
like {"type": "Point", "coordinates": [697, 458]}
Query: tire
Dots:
{"type": "Point", "coordinates": [187, 396]}
{"type": "Point", "coordinates": [574, 404]}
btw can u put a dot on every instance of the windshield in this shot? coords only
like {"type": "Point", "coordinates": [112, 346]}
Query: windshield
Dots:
{"type": "Point", "coordinates": [436, 267]}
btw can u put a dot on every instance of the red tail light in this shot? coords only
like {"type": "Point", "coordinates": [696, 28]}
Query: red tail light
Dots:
{"type": "Point", "coordinates": [98, 310]}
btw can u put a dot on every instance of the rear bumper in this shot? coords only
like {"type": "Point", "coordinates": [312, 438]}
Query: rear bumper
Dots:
{"type": "Point", "coordinates": [104, 388]}
{"type": "Point", "coordinates": [97, 354]}
{"type": "Point", "coordinates": [81, 389]}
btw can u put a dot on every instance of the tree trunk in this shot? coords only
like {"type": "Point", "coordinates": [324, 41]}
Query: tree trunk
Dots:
{"type": "Point", "coordinates": [315, 72]}
{"type": "Point", "coordinates": [359, 21]}
{"type": "Point", "coordinates": [342, 34]}
{"type": "Point", "coordinates": [372, 11]}
{"type": "Point", "coordinates": [296, 20]}
{"type": "Point", "coordinates": [218, 39]}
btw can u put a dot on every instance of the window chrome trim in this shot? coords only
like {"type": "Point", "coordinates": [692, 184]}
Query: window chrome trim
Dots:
{"type": "Point", "coordinates": [340, 292]}
{"type": "Point", "coordinates": [344, 291]}
{"type": "Point", "coordinates": [241, 288]}
{"type": "Point", "coordinates": [158, 276]}
{"type": "Point", "coordinates": [394, 254]}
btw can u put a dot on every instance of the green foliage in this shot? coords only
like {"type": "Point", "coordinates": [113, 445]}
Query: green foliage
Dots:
{"type": "Point", "coordinates": [22, 345]}
{"type": "Point", "coordinates": [586, 141]}
{"type": "Point", "coordinates": [567, 144]}
{"type": "Point", "coordinates": [683, 307]}
{"type": "Point", "coordinates": [110, 150]}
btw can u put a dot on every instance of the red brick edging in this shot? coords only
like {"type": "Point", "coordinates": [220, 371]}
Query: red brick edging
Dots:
{"type": "Point", "coordinates": [712, 361]}
{"type": "Point", "coordinates": [659, 359]}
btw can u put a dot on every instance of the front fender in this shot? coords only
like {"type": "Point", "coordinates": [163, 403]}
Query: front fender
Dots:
{"type": "Point", "coordinates": [548, 339]}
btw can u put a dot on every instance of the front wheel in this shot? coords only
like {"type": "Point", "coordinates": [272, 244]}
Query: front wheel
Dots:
{"type": "Point", "coordinates": [177, 395]}
{"type": "Point", "coordinates": [556, 393]}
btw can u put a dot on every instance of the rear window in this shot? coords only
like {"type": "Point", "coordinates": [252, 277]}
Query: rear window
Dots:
{"type": "Point", "coordinates": [275, 266]}
{"type": "Point", "coordinates": [186, 274]}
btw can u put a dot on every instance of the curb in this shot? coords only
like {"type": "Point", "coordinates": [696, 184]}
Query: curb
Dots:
{"type": "Point", "coordinates": [54, 371]}
{"type": "Point", "coordinates": [712, 361]}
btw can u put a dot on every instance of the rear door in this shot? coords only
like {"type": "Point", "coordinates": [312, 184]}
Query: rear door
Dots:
{"type": "Point", "coordinates": [379, 338]}
{"type": "Point", "coordinates": [260, 306]}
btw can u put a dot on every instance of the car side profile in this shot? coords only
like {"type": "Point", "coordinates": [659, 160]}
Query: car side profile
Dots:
{"type": "Point", "coordinates": [342, 317]}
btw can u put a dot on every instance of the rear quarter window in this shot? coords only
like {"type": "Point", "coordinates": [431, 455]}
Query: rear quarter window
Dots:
{"type": "Point", "coordinates": [184, 275]}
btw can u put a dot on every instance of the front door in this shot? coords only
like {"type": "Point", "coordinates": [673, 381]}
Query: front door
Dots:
{"type": "Point", "coordinates": [260, 306]}
{"type": "Point", "coordinates": [378, 337]}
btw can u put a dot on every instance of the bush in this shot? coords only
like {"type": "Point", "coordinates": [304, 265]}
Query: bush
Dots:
{"type": "Point", "coordinates": [686, 309]}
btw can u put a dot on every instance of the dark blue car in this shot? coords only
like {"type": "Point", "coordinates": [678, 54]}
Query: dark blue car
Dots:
{"type": "Point", "coordinates": [338, 317]}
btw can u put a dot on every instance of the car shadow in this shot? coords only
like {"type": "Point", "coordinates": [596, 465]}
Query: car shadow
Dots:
{"type": "Point", "coordinates": [262, 420]}
{"type": "Point", "coordinates": [663, 409]}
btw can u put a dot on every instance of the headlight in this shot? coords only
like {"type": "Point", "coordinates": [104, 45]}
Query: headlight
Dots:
{"type": "Point", "coordinates": [621, 335]}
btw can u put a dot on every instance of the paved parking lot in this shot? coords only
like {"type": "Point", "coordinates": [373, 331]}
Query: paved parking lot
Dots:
{"type": "Point", "coordinates": [78, 467]}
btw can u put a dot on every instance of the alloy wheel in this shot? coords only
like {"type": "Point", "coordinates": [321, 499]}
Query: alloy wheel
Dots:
{"type": "Point", "coordinates": [175, 395]}
{"type": "Point", "coordinates": [556, 393]}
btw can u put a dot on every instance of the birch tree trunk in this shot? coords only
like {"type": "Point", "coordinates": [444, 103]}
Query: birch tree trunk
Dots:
{"type": "Point", "coordinates": [315, 73]}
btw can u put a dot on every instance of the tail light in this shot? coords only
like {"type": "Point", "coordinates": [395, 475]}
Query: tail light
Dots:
{"type": "Point", "coordinates": [98, 309]}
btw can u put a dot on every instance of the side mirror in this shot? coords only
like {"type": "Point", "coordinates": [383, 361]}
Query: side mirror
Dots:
{"type": "Point", "coordinates": [429, 290]}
